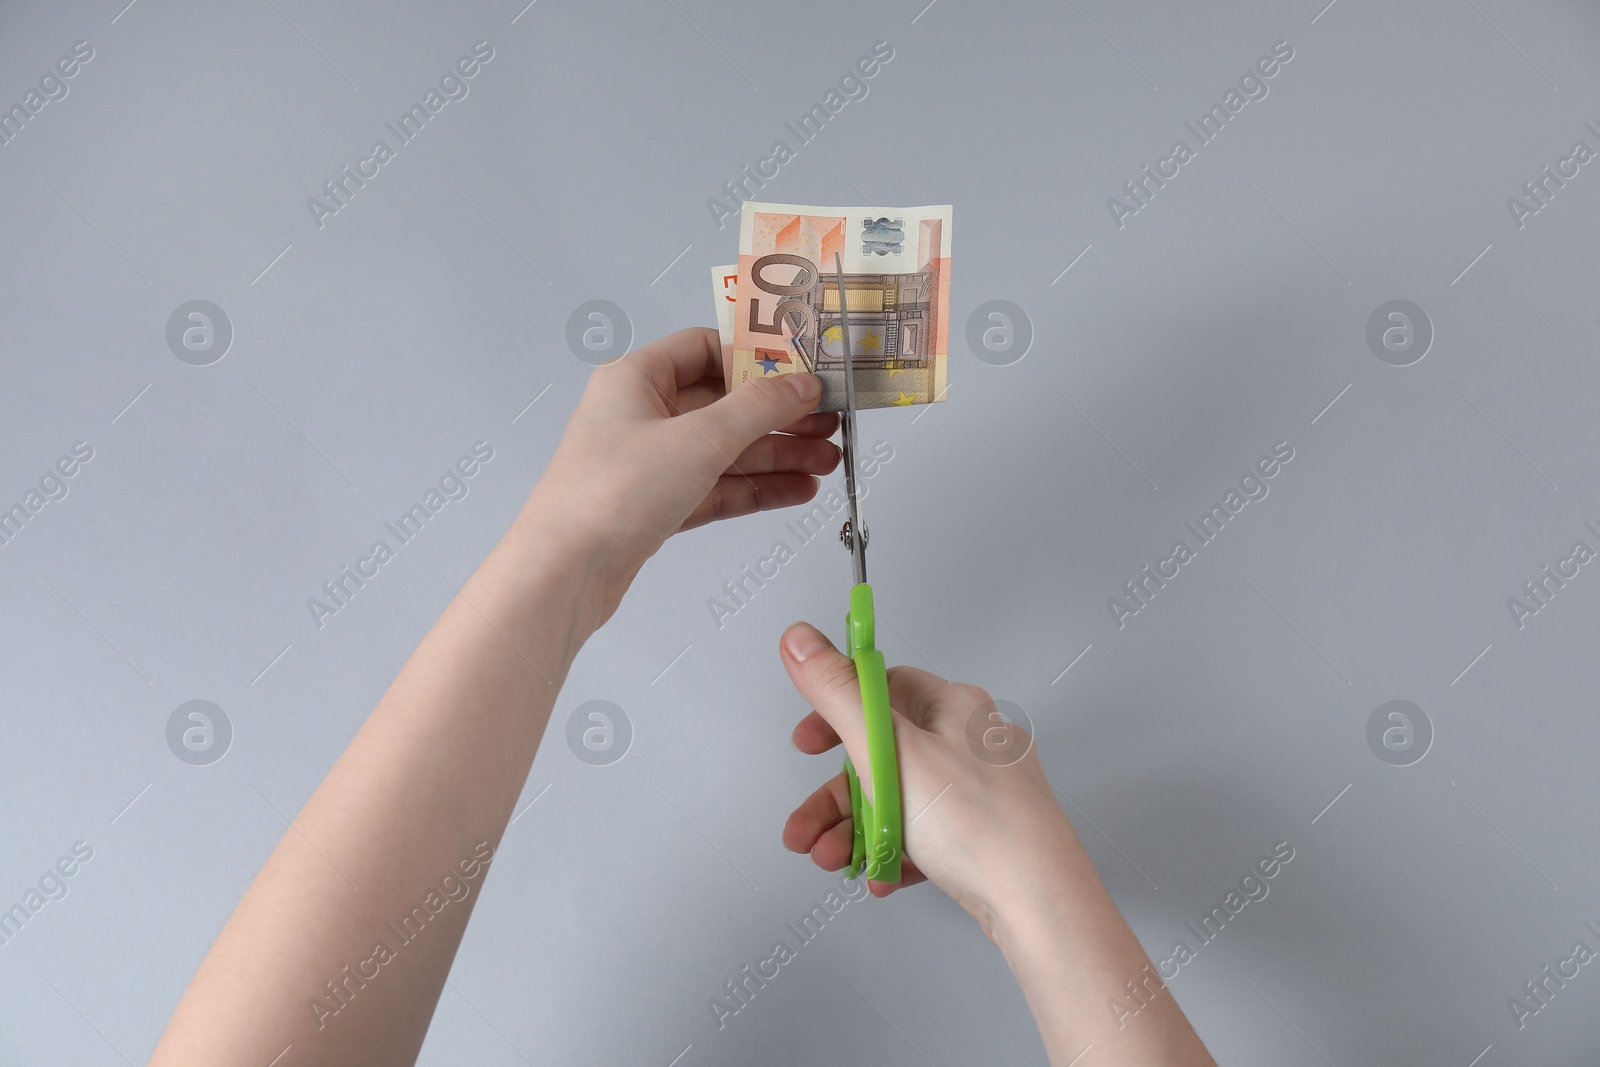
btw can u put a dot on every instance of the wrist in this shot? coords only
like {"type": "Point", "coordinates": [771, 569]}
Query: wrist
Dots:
{"type": "Point", "coordinates": [1081, 967]}
{"type": "Point", "coordinates": [543, 546]}
{"type": "Point", "coordinates": [1041, 885]}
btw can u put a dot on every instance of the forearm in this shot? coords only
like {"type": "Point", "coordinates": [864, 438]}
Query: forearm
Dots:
{"type": "Point", "coordinates": [1086, 977]}
{"type": "Point", "coordinates": [423, 792]}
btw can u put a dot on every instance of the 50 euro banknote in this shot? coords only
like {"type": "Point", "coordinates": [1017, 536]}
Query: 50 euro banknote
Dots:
{"type": "Point", "coordinates": [778, 307]}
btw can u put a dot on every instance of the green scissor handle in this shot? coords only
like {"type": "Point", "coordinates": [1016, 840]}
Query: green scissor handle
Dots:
{"type": "Point", "coordinates": [877, 844]}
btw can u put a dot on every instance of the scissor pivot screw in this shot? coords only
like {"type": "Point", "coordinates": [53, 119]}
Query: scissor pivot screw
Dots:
{"type": "Point", "coordinates": [846, 536]}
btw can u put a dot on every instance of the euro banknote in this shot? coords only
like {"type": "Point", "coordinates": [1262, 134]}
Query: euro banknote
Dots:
{"type": "Point", "coordinates": [778, 307]}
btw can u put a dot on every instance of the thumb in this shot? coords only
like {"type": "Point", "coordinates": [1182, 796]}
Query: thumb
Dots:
{"type": "Point", "coordinates": [827, 678]}
{"type": "Point", "coordinates": [756, 408]}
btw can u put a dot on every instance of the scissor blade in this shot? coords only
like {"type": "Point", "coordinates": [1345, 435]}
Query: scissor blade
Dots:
{"type": "Point", "coordinates": [847, 423]}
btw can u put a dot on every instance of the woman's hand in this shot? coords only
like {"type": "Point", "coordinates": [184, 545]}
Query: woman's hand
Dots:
{"type": "Point", "coordinates": [982, 823]}
{"type": "Point", "coordinates": [974, 796]}
{"type": "Point", "coordinates": [659, 444]}
{"type": "Point", "coordinates": [430, 781]}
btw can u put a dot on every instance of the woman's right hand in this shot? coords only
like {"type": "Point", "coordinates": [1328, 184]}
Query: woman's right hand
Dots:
{"type": "Point", "coordinates": [982, 823]}
{"type": "Point", "coordinates": [976, 805]}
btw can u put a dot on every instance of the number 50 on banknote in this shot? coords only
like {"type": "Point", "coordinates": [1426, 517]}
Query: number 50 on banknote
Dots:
{"type": "Point", "coordinates": [777, 309]}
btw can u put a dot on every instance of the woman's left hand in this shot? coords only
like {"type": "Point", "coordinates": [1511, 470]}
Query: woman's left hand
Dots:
{"type": "Point", "coordinates": [659, 444]}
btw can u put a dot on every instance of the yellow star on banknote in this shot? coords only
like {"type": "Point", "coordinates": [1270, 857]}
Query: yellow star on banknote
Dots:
{"type": "Point", "coordinates": [831, 334]}
{"type": "Point", "coordinates": [902, 400]}
{"type": "Point", "coordinates": [872, 342]}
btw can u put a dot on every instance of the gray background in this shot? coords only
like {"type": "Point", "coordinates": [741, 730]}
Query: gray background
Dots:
{"type": "Point", "coordinates": [1223, 318]}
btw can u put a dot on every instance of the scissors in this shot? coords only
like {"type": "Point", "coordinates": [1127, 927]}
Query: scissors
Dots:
{"type": "Point", "coordinates": [878, 831]}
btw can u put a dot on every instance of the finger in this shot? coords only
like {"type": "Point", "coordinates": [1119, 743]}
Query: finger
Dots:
{"type": "Point", "coordinates": [694, 397]}
{"type": "Point", "coordinates": [780, 452]}
{"type": "Point", "coordinates": [913, 685]}
{"type": "Point", "coordinates": [709, 390]}
{"type": "Point", "coordinates": [909, 876]}
{"type": "Point", "coordinates": [813, 735]}
{"type": "Point", "coordinates": [816, 424]}
{"type": "Point", "coordinates": [754, 409]}
{"type": "Point", "coordinates": [827, 678]}
{"type": "Point", "coordinates": [832, 850]}
{"type": "Point", "coordinates": [908, 687]}
{"type": "Point", "coordinates": [817, 814]}
{"type": "Point", "coordinates": [681, 358]}
{"type": "Point", "coordinates": [823, 827]}
{"type": "Point", "coordinates": [912, 692]}
{"type": "Point", "coordinates": [936, 704]}
{"type": "Point", "coordinates": [744, 494]}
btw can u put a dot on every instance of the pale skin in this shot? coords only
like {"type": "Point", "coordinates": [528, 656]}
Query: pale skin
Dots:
{"type": "Point", "coordinates": [656, 446]}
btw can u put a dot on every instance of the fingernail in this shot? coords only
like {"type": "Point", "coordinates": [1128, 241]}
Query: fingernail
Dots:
{"type": "Point", "coordinates": [807, 387]}
{"type": "Point", "coordinates": [803, 641]}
